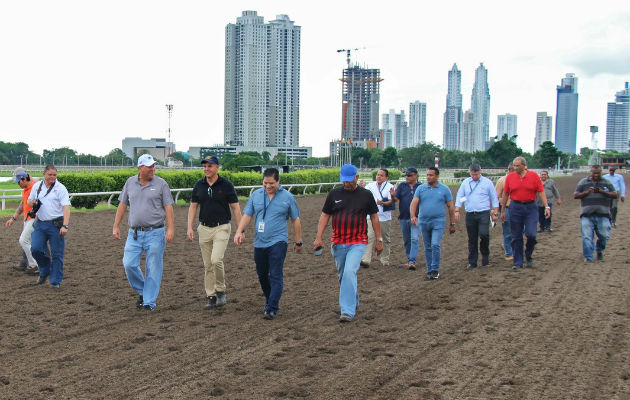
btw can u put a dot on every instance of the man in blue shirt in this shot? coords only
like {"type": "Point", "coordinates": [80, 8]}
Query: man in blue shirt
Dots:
{"type": "Point", "coordinates": [478, 194]}
{"type": "Point", "coordinates": [432, 197]}
{"type": "Point", "coordinates": [410, 232]}
{"type": "Point", "coordinates": [272, 206]}
{"type": "Point", "coordinates": [620, 186]}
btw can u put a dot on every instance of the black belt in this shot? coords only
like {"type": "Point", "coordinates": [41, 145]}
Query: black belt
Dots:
{"type": "Point", "coordinates": [213, 224]}
{"type": "Point", "coordinates": [523, 202]}
{"type": "Point", "coordinates": [144, 229]}
{"type": "Point", "coordinates": [478, 212]}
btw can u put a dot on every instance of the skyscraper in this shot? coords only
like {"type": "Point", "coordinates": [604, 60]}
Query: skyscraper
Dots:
{"type": "Point", "coordinates": [360, 103]}
{"type": "Point", "coordinates": [453, 115]}
{"type": "Point", "coordinates": [468, 132]}
{"type": "Point", "coordinates": [506, 125]}
{"type": "Point", "coordinates": [617, 127]}
{"type": "Point", "coordinates": [417, 123]}
{"type": "Point", "coordinates": [262, 82]}
{"type": "Point", "coordinates": [480, 107]}
{"type": "Point", "coordinates": [543, 130]}
{"type": "Point", "coordinates": [566, 114]}
{"type": "Point", "coordinates": [395, 130]}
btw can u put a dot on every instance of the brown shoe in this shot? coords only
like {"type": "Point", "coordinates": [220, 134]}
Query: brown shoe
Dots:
{"type": "Point", "coordinates": [32, 270]}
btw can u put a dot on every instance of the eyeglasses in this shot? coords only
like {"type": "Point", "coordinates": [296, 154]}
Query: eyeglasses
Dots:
{"type": "Point", "coordinates": [210, 191]}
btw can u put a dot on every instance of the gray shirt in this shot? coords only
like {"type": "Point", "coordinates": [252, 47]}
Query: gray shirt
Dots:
{"type": "Point", "coordinates": [146, 202]}
{"type": "Point", "coordinates": [595, 204]}
{"type": "Point", "coordinates": [551, 191]}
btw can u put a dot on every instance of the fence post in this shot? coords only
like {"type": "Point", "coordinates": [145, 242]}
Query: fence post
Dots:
{"type": "Point", "coordinates": [3, 194]}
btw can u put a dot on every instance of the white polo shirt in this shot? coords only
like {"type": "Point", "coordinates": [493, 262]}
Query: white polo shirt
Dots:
{"type": "Point", "coordinates": [380, 194]}
{"type": "Point", "coordinates": [53, 202]}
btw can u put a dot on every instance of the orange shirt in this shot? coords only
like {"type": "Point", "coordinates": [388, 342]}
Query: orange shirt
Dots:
{"type": "Point", "coordinates": [25, 193]}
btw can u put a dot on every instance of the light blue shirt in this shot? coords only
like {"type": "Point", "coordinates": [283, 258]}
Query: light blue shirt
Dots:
{"type": "Point", "coordinates": [477, 196]}
{"type": "Point", "coordinates": [53, 202]}
{"type": "Point", "coordinates": [433, 201]}
{"type": "Point", "coordinates": [618, 182]}
{"type": "Point", "coordinates": [282, 207]}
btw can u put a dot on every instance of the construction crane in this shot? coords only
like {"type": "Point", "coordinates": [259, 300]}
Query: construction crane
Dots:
{"type": "Point", "coordinates": [347, 54]}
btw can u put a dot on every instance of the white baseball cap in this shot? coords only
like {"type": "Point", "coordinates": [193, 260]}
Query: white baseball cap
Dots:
{"type": "Point", "coordinates": [146, 160]}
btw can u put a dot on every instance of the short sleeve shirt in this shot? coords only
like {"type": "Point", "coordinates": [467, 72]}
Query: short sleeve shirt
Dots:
{"type": "Point", "coordinates": [52, 202]}
{"type": "Point", "coordinates": [273, 213]}
{"type": "Point", "coordinates": [595, 204]}
{"type": "Point", "coordinates": [433, 200]}
{"type": "Point", "coordinates": [404, 194]}
{"type": "Point", "coordinates": [214, 201]}
{"type": "Point", "coordinates": [146, 203]}
{"type": "Point", "coordinates": [523, 188]}
{"type": "Point", "coordinates": [381, 194]}
{"type": "Point", "coordinates": [25, 193]}
{"type": "Point", "coordinates": [349, 210]}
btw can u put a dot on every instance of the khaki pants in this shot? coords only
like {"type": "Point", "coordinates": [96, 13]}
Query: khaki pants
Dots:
{"type": "Point", "coordinates": [387, 244]}
{"type": "Point", "coordinates": [213, 242]}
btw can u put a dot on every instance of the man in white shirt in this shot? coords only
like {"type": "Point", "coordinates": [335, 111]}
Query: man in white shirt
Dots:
{"type": "Point", "coordinates": [383, 193]}
{"type": "Point", "coordinates": [620, 186]}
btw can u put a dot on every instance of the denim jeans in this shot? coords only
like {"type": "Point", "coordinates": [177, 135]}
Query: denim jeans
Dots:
{"type": "Point", "coordinates": [411, 239]}
{"type": "Point", "coordinates": [545, 223]}
{"type": "Point", "coordinates": [348, 259]}
{"type": "Point", "coordinates": [523, 217]}
{"type": "Point", "coordinates": [269, 264]}
{"type": "Point", "coordinates": [591, 225]}
{"type": "Point", "coordinates": [152, 243]}
{"type": "Point", "coordinates": [432, 232]}
{"type": "Point", "coordinates": [507, 233]}
{"type": "Point", "coordinates": [45, 232]}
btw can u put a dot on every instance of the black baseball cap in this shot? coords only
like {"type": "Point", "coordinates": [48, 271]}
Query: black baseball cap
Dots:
{"type": "Point", "coordinates": [411, 170]}
{"type": "Point", "coordinates": [210, 160]}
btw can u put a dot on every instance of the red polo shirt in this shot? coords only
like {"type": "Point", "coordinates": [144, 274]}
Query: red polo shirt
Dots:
{"type": "Point", "coordinates": [523, 189]}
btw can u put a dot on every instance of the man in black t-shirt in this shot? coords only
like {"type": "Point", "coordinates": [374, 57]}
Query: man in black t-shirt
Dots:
{"type": "Point", "coordinates": [217, 196]}
{"type": "Point", "coordinates": [349, 207]}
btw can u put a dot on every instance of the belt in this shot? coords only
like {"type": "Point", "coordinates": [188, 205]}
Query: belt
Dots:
{"type": "Point", "coordinates": [523, 202]}
{"type": "Point", "coordinates": [144, 229]}
{"type": "Point", "coordinates": [212, 224]}
{"type": "Point", "coordinates": [51, 220]}
{"type": "Point", "coordinates": [478, 212]}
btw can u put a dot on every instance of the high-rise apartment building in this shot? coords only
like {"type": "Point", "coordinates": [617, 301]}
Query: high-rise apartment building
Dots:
{"type": "Point", "coordinates": [453, 116]}
{"type": "Point", "coordinates": [417, 123]}
{"type": "Point", "coordinates": [395, 130]}
{"type": "Point", "coordinates": [262, 82]}
{"type": "Point", "coordinates": [480, 107]}
{"type": "Point", "coordinates": [566, 114]}
{"type": "Point", "coordinates": [506, 125]}
{"type": "Point", "coordinates": [617, 127]}
{"type": "Point", "coordinates": [468, 132]}
{"type": "Point", "coordinates": [360, 103]}
{"type": "Point", "coordinates": [543, 130]}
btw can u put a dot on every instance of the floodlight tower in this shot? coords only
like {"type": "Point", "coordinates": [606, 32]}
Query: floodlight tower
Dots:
{"type": "Point", "coordinates": [594, 158]}
{"type": "Point", "coordinates": [169, 109]}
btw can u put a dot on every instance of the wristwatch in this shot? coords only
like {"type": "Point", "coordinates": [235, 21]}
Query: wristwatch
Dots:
{"type": "Point", "coordinates": [452, 223]}
{"type": "Point", "coordinates": [65, 226]}
{"type": "Point", "coordinates": [549, 208]}
{"type": "Point", "coordinates": [298, 244]}
{"type": "Point", "coordinates": [379, 239]}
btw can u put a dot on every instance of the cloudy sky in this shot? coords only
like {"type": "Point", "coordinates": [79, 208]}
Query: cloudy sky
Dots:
{"type": "Point", "coordinates": [86, 74]}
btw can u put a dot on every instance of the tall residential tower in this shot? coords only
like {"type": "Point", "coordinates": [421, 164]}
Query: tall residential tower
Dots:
{"type": "Point", "coordinates": [453, 116]}
{"type": "Point", "coordinates": [417, 123]}
{"type": "Point", "coordinates": [543, 130]}
{"type": "Point", "coordinates": [566, 114]}
{"type": "Point", "coordinates": [506, 125]}
{"type": "Point", "coordinates": [480, 107]}
{"type": "Point", "coordinates": [360, 103]}
{"type": "Point", "coordinates": [617, 127]}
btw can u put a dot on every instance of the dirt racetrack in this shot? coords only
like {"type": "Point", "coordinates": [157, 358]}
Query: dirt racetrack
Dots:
{"type": "Point", "coordinates": [558, 331]}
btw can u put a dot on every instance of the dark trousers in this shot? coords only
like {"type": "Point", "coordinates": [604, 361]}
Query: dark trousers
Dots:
{"type": "Point", "coordinates": [269, 264]}
{"type": "Point", "coordinates": [545, 223]}
{"type": "Point", "coordinates": [523, 217]}
{"type": "Point", "coordinates": [478, 228]}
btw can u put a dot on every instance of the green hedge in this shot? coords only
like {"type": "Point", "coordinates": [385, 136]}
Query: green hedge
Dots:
{"type": "Point", "coordinates": [466, 174]}
{"type": "Point", "coordinates": [111, 181]}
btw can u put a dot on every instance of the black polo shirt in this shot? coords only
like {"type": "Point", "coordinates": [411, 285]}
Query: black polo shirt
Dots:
{"type": "Point", "coordinates": [214, 201]}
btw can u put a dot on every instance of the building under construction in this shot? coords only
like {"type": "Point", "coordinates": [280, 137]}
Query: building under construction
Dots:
{"type": "Point", "coordinates": [360, 113]}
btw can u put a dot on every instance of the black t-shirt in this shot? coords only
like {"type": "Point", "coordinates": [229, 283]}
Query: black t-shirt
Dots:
{"type": "Point", "coordinates": [214, 202]}
{"type": "Point", "coordinates": [349, 210]}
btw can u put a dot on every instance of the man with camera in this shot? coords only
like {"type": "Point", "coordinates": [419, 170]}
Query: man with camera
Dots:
{"type": "Point", "coordinates": [51, 204]}
{"type": "Point", "coordinates": [383, 193]}
{"type": "Point", "coordinates": [595, 195]}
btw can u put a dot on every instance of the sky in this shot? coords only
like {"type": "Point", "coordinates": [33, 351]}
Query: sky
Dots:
{"type": "Point", "coordinates": [86, 74]}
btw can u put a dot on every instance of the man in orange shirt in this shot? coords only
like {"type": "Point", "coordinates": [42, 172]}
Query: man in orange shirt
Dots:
{"type": "Point", "coordinates": [22, 178]}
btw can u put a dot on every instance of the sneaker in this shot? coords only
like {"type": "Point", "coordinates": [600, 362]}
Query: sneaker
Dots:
{"type": "Point", "coordinates": [32, 270]}
{"type": "Point", "coordinates": [428, 275]}
{"type": "Point", "coordinates": [385, 264]}
{"type": "Point", "coordinates": [516, 267]}
{"type": "Point", "coordinates": [471, 266]}
{"type": "Point", "coordinates": [41, 279]}
{"type": "Point", "coordinates": [221, 299]}
{"type": "Point", "coordinates": [345, 318]}
{"type": "Point", "coordinates": [148, 307]}
{"type": "Point", "coordinates": [269, 315]}
{"type": "Point", "coordinates": [530, 263]}
{"type": "Point", "coordinates": [586, 261]}
{"type": "Point", "coordinates": [600, 256]}
{"type": "Point", "coordinates": [140, 301]}
{"type": "Point", "coordinates": [411, 267]}
{"type": "Point", "coordinates": [212, 303]}
{"type": "Point", "coordinates": [54, 286]}
{"type": "Point", "coordinates": [19, 268]}
{"type": "Point", "coordinates": [364, 264]}
{"type": "Point", "coordinates": [434, 274]}
{"type": "Point", "coordinates": [549, 230]}
{"type": "Point", "coordinates": [509, 258]}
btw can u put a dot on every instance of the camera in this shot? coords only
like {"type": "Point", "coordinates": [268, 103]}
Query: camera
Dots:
{"type": "Point", "coordinates": [36, 206]}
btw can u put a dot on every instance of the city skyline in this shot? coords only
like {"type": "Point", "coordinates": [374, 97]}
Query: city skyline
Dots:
{"type": "Point", "coordinates": [69, 75]}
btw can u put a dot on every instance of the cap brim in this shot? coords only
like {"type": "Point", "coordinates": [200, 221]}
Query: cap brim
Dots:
{"type": "Point", "coordinates": [347, 178]}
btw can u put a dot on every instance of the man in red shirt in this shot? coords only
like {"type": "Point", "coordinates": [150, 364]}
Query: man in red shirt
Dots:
{"type": "Point", "coordinates": [522, 186]}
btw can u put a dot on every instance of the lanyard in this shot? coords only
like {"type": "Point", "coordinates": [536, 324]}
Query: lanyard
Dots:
{"type": "Point", "coordinates": [380, 191]}
{"type": "Point", "coordinates": [472, 189]}
{"type": "Point", "coordinates": [39, 189]}
{"type": "Point", "coordinates": [265, 203]}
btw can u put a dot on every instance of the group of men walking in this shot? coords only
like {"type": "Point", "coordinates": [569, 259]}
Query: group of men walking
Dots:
{"type": "Point", "coordinates": [361, 223]}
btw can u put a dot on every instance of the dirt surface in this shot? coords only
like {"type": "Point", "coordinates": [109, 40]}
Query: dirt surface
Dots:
{"type": "Point", "coordinates": [557, 331]}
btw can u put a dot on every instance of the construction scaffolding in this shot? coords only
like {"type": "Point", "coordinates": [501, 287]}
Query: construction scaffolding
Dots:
{"type": "Point", "coordinates": [340, 152]}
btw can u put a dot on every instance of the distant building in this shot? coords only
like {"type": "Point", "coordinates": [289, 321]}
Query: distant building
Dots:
{"type": "Point", "coordinates": [566, 114]}
{"type": "Point", "coordinates": [360, 93]}
{"type": "Point", "coordinates": [417, 123]}
{"type": "Point", "coordinates": [506, 125]}
{"type": "Point", "coordinates": [220, 151]}
{"type": "Point", "coordinates": [617, 127]}
{"type": "Point", "coordinates": [453, 115]}
{"type": "Point", "coordinates": [395, 130]}
{"type": "Point", "coordinates": [543, 130]}
{"type": "Point", "coordinates": [468, 132]}
{"type": "Point", "coordinates": [480, 107]}
{"type": "Point", "coordinates": [159, 148]}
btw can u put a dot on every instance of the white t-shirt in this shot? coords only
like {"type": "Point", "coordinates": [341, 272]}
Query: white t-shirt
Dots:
{"type": "Point", "coordinates": [381, 194]}
{"type": "Point", "coordinates": [53, 202]}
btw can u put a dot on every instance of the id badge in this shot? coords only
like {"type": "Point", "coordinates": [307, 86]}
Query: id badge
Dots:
{"type": "Point", "coordinates": [261, 227]}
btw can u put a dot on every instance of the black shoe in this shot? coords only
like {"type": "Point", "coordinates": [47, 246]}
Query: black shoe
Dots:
{"type": "Point", "coordinates": [212, 303]}
{"type": "Point", "coordinates": [269, 315]}
{"type": "Point", "coordinates": [485, 261]}
{"type": "Point", "coordinates": [600, 256]}
{"type": "Point", "coordinates": [221, 299]}
{"type": "Point", "coordinates": [549, 230]}
{"type": "Point", "coordinates": [517, 267]}
{"type": "Point", "coordinates": [530, 263]}
{"type": "Point", "coordinates": [471, 266]}
{"type": "Point", "coordinates": [140, 301]}
{"type": "Point", "coordinates": [32, 270]}
{"type": "Point", "coordinates": [148, 308]}
{"type": "Point", "coordinates": [54, 286]}
{"type": "Point", "coordinates": [364, 264]}
{"type": "Point", "coordinates": [41, 279]}
{"type": "Point", "coordinates": [19, 268]}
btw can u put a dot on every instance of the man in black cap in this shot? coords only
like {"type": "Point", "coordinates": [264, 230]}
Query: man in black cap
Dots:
{"type": "Point", "coordinates": [410, 232]}
{"type": "Point", "coordinates": [217, 196]}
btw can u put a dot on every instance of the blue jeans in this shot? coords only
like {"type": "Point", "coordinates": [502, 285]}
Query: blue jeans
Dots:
{"type": "Point", "coordinates": [523, 217]}
{"type": "Point", "coordinates": [45, 232]}
{"type": "Point", "coordinates": [507, 233]}
{"type": "Point", "coordinates": [152, 243]}
{"type": "Point", "coordinates": [411, 239]}
{"type": "Point", "coordinates": [348, 259]}
{"type": "Point", "coordinates": [269, 264]}
{"type": "Point", "coordinates": [432, 232]}
{"type": "Point", "coordinates": [591, 225]}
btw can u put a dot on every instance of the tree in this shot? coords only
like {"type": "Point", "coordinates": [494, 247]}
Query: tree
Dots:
{"type": "Point", "coordinates": [390, 157]}
{"type": "Point", "coordinates": [503, 152]}
{"type": "Point", "coordinates": [547, 155]}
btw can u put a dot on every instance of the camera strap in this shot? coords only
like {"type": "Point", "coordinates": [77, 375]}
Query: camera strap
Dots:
{"type": "Point", "coordinates": [39, 189]}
